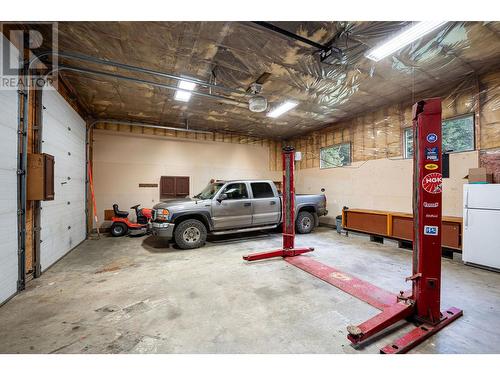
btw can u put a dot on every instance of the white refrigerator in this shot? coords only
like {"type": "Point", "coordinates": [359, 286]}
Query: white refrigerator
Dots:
{"type": "Point", "coordinates": [481, 225]}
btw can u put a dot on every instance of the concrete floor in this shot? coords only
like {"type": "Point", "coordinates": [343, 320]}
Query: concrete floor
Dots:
{"type": "Point", "coordinates": [131, 295]}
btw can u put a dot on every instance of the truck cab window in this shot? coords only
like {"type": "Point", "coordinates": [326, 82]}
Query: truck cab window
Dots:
{"type": "Point", "coordinates": [262, 190]}
{"type": "Point", "coordinates": [236, 191]}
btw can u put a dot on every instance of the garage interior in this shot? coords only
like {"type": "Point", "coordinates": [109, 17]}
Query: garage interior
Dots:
{"type": "Point", "coordinates": [153, 112]}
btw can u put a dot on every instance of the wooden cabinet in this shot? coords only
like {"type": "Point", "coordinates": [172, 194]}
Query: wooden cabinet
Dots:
{"type": "Point", "coordinates": [174, 187]}
{"type": "Point", "coordinates": [399, 225]}
{"type": "Point", "coordinates": [40, 177]}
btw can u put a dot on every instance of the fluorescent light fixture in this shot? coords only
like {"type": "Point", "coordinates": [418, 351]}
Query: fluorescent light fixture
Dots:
{"type": "Point", "coordinates": [184, 96]}
{"type": "Point", "coordinates": [279, 110]}
{"type": "Point", "coordinates": [404, 38]}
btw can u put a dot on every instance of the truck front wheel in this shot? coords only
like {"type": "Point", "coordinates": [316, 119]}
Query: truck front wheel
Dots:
{"type": "Point", "coordinates": [190, 234]}
{"type": "Point", "coordinates": [305, 222]}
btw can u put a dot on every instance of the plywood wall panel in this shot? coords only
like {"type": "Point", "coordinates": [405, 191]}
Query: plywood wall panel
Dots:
{"type": "Point", "coordinates": [490, 111]}
{"type": "Point", "coordinates": [369, 137]}
{"type": "Point", "coordinates": [329, 138]}
{"type": "Point", "coordinates": [379, 134]}
{"type": "Point", "coordinates": [393, 132]}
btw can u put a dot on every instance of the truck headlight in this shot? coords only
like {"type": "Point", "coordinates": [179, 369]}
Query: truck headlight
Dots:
{"type": "Point", "coordinates": [163, 214]}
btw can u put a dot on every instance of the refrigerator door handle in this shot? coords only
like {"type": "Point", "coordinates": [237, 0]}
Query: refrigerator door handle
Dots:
{"type": "Point", "coordinates": [467, 198]}
{"type": "Point", "coordinates": [466, 218]}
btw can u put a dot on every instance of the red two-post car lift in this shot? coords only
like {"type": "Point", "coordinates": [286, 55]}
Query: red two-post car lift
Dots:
{"type": "Point", "coordinates": [421, 304]}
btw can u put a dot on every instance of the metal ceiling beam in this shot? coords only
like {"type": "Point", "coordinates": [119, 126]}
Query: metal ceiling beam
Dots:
{"type": "Point", "coordinates": [289, 34]}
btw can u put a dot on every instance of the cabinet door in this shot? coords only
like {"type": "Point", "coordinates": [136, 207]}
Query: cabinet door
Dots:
{"type": "Point", "coordinates": [181, 186]}
{"type": "Point", "coordinates": [167, 187]}
{"type": "Point", "coordinates": [174, 187]}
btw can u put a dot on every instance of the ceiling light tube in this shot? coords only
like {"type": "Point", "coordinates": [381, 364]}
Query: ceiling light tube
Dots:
{"type": "Point", "coordinates": [184, 94]}
{"type": "Point", "coordinates": [404, 38]}
{"type": "Point", "coordinates": [279, 110]}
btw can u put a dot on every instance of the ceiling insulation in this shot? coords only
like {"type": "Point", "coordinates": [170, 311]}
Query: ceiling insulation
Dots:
{"type": "Point", "coordinates": [240, 52]}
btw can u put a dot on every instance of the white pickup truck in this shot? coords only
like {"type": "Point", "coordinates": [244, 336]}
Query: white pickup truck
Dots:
{"type": "Point", "coordinates": [225, 207]}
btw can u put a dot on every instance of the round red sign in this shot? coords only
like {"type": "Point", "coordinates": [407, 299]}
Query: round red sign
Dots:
{"type": "Point", "coordinates": [432, 183]}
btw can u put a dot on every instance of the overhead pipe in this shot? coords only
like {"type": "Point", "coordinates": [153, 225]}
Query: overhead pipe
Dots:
{"type": "Point", "coordinates": [133, 68]}
{"type": "Point", "coordinates": [146, 125]}
{"type": "Point", "coordinates": [151, 83]}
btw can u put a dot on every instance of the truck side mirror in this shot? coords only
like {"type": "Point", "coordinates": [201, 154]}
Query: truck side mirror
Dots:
{"type": "Point", "coordinates": [222, 197]}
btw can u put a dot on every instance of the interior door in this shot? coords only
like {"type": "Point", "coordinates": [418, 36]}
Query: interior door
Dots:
{"type": "Point", "coordinates": [266, 206]}
{"type": "Point", "coordinates": [235, 211]}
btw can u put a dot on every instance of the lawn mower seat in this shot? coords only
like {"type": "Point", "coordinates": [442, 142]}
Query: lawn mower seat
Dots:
{"type": "Point", "coordinates": [119, 213]}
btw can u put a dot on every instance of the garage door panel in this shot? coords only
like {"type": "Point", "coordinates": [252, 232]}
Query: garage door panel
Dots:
{"type": "Point", "coordinates": [58, 127]}
{"type": "Point", "coordinates": [58, 248]}
{"type": "Point", "coordinates": [8, 150]}
{"type": "Point", "coordinates": [62, 129]}
{"type": "Point", "coordinates": [8, 191]}
{"type": "Point", "coordinates": [58, 105]}
{"type": "Point", "coordinates": [10, 109]}
{"type": "Point", "coordinates": [63, 139]}
{"type": "Point", "coordinates": [63, 224]}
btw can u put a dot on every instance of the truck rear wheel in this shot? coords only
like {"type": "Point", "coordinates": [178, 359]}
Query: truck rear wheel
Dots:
{"type": "Point", "coordinates": [190, 234]}
{"type": "Point", "coordinates": [305, 222]}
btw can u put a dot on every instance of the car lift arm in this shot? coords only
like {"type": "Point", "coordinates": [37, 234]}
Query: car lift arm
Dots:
{"type": "Point", "coordinates": [422, 304]}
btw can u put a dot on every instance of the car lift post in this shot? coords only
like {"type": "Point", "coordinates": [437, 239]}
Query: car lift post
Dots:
{"type": "Point", "coordinates": [420, 305]}
{"type": "Point", "coordinates": [288, 213]}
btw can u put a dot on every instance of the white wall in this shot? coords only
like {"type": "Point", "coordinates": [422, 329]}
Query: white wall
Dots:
{"type": "Point", "coordinates": [382, 184]}
{"type": "Point", "coordinates": [63, 225]}
{"type": "Point", "coordinates": [122, 161]}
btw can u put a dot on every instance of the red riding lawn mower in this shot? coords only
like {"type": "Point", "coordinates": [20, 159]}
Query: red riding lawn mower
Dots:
{"type": "Point", "coordinates": [122, 225]}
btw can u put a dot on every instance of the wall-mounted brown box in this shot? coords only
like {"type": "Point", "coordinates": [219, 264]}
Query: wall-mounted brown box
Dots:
{"type": "Point", "coordinates": [40, 177]}
{"type": "Point", "coordinates": [479, 175]}
{"type": "Point", "coordinates": [108, 214]}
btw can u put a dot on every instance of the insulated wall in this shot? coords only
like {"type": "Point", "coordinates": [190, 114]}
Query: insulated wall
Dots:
{"type": "Point", "coordinates": [63, 219]}
{"type": "Point", "coordinates": [8, 193]}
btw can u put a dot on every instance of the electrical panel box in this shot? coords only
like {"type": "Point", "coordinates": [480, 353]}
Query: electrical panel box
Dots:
{"type": "Point", "coordinates": [40, 177]}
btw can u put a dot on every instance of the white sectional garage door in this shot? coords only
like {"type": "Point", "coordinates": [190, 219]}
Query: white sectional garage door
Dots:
{"type": "Point", "coordinates": [63, 219]}
{"type": "Point", "coordinates": [8, 193]}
